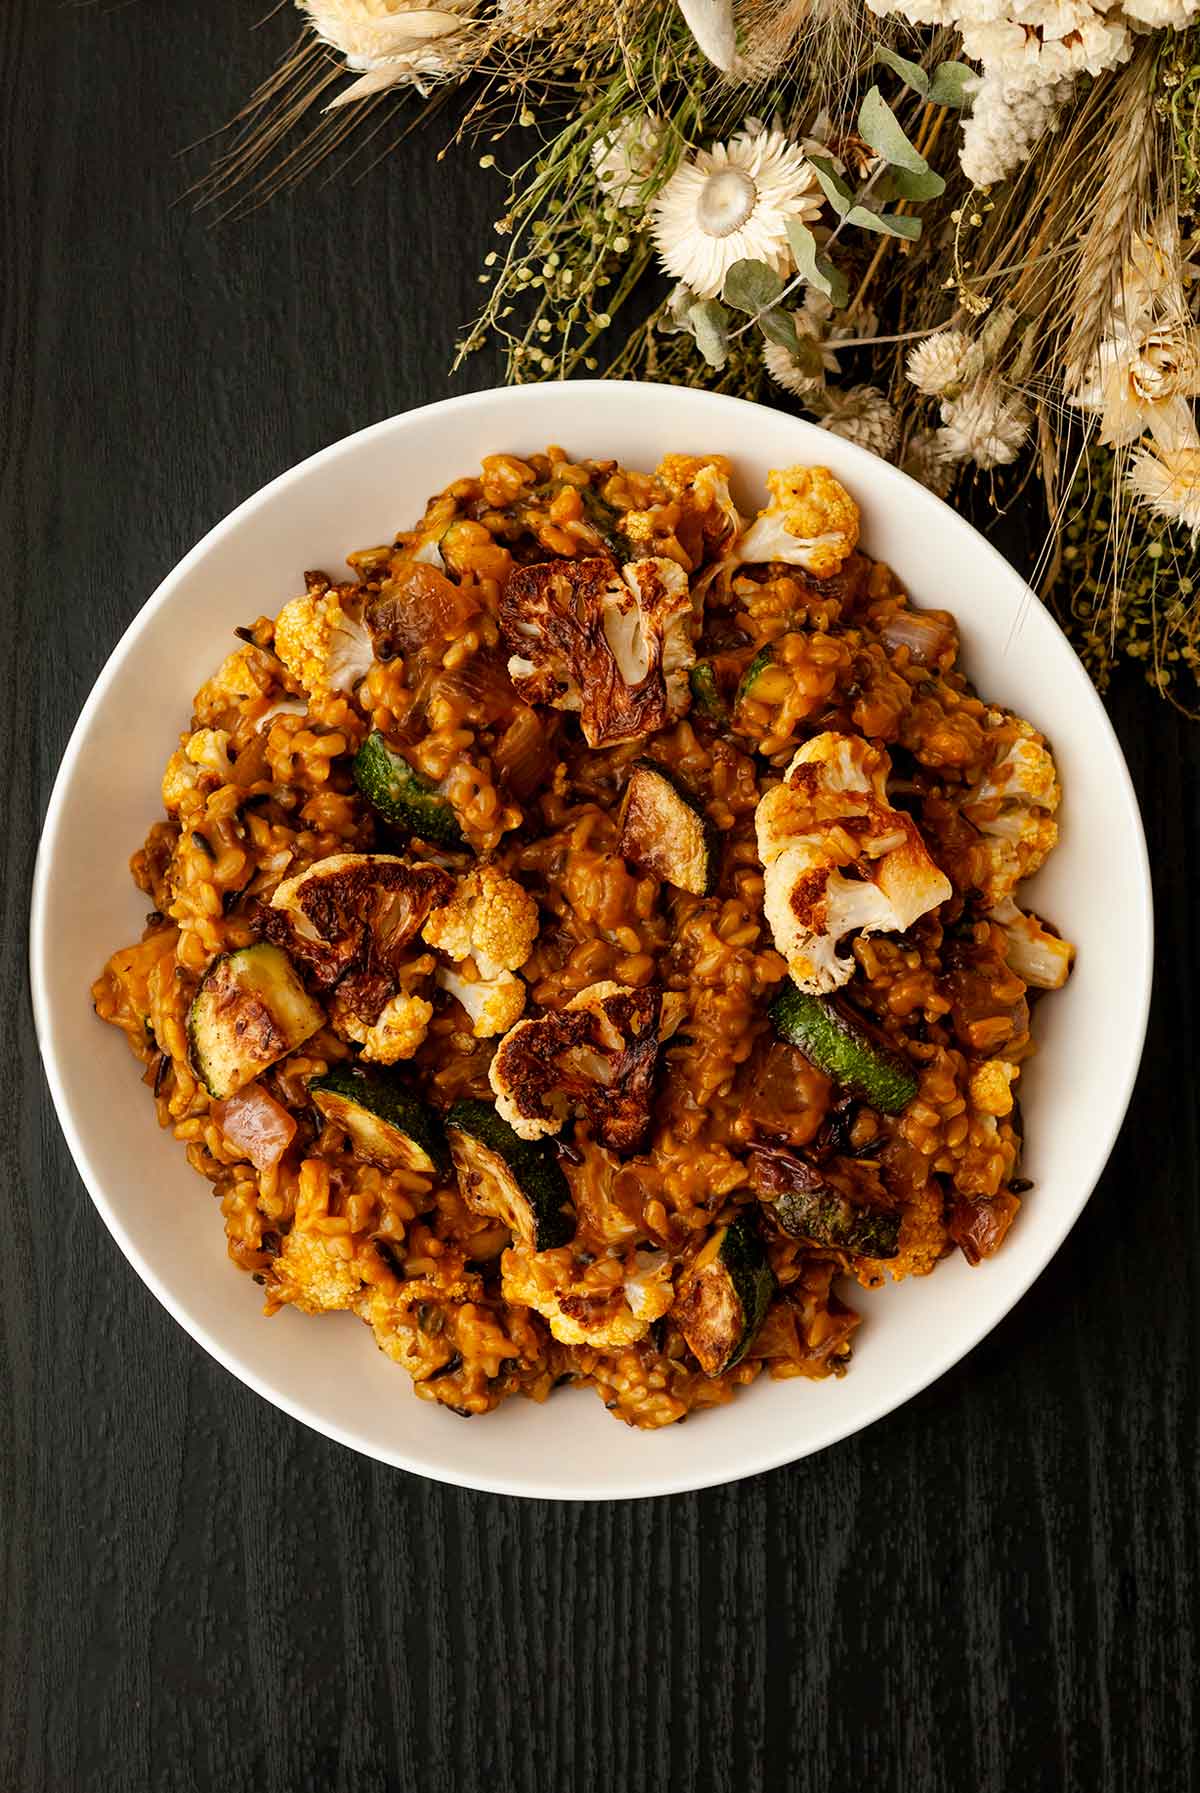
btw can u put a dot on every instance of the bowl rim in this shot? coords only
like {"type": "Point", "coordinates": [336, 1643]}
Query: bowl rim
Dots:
{"type": "Point", "coordinates": [655, 1483]}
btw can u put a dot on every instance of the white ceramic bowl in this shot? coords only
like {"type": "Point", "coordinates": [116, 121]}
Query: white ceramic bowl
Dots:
{"type": "Point", "coordinates": [328, 1372]}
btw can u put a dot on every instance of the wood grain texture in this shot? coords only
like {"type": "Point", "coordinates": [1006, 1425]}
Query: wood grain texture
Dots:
{"type": "Point", "coordinates": [996, 1588]}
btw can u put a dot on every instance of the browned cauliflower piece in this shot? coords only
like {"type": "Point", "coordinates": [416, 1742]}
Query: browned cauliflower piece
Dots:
{"type": "Point", "coordinates": [490, 918]}
{"type": "Point", "coordinates": [397, 1032]}
{"type": "Point", "coordinates": [811, 522]}
{"type": "Point", "coordinates": [702, 483]}
{"type": "Point", "coordinates": [201, 764]}
{"type": "Point", "coordinates": [493, 1004]}
{"type": "Point", "coordinates": [1013, 807]}
{"type": "Point", "coordinates": [353, 911]}
{"type": "Point", "coordinates": [608, 1304]}
{"type": "Point", "coordinates": [307, 1274]}
{"type": "Point", "coordinates": [347, 921]}
{"type": "Point", "coordinates": [829, 818]}
{"type": "Point", "coordinates": [1037, 956]}
{"type": "Point", "coordinates": [613, 645]}
{"type": "Point", "coordinates": [990, 1086]}
{"type": "Point", "coordinates": [322, 647]}
{"type": "Point", "coordinates": [595, 1058]}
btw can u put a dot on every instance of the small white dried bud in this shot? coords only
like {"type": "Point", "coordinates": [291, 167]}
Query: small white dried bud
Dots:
{"type": "Point", "coordinates": [940, 362]}
{"type": "Point", "coordinates": [862, 414]}
{"type": "Point", "coordinates": [1007, 123]}
{"type": "Point", "coordinates": [984, 425]}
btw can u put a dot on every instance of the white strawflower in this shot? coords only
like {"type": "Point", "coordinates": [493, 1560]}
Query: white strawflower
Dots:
{"type": "Point", "coordinates": [984, 425]}
{"type": "Point", "coordinates": [1156, 268]}
{"type": "Point", "coordinates": [1142, 380]}
{"type": "Point", "coordinates": [1169, 482]}
{"type": "Point", "coordinates": [1041, 45]}
{"type": "Point", "coordinates": [862, 414]}
{"type": "Point", "coordinates": [1160, 15]}
{"type": "Point", "coordinates": [940, 361]}
{"type": "Point", "coordinates": [919, 12]}
{"type": "Point", "coordinates": [1006, 125]}
{"type": "Point", "coordinates": [625, 159]}
{"type": "Point", "coordinates": [730, 204]}
{"type": "Point", "coordinates": [385, 42]}
{"type": "Point", "coordinates": [1032, 53]}
{"type": "Point", "coordinates": [928, 461]}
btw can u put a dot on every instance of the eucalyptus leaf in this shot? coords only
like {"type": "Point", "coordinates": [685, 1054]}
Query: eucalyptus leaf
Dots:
{"type": "Point", "coordinates": [911, 73]}
{"type": "Point", "coordinates": [751, 286]}
{"type": "Point", "coordinates": [884, 132]}
{"type": "Point", "coordinates": [839, 194]}
{"type": "Point", "coordinates": [888, 224]}
{"type": "Point", "coordinates": [709, 323]}
{"type": "Point", "coordinates": [907, 185]}
{"type": "Point", "coordinates": [817, 269]}
{"type": "Point", "coordinates": [778, 325]}
{"type": "Point", "coordinates": [953, 84]}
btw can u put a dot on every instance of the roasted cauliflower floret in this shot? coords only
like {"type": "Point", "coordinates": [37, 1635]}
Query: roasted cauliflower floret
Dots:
{"type": "Point", "coordinates": [595, 1058]}
{"type": "Point", "coordinates": [309, 1276]}
{"type": "Point", "coordinates": [1013, 806]}
{"type": "Point", "coordinates": [613, 646]}
{"type": "Point", "coordinates": [494, 1004]}
{"type": "Point", "coordinates": [811, 522]}
{"type": "Point", "coordinates": [990, 1086]}
{"type": "Point", "coordinates": [1038, 957]}
{"type": "Point", "coordinates": [323, 648]}
{"type": "Point", "coordinates": [348, 920]}
{"type": "Point", "coordinates": [839, 859]}
{"type": "Point", "coordinates": [240, 675]}
{"type": "Point", "coordinates": [702, 483]}
{"type": "Point", "coordinates": [608, 1303]}
{"type": "Point", "coordinates": [310, 1271]}
{"type": "Point", "coordinates": [397, 1033]}
{"type": "Point", "coordinates": [204, 755]}
{"type": "Point", "coordinates": [354, 911]}
{"type": "Point", "coordinates": [490, 918]}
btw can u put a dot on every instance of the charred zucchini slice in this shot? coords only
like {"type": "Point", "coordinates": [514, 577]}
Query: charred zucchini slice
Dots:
{"type": "Point", "coordinates": [664, 831]}
{"type": "Point", "coordinates": [808, 1207]}
{"type": "Point", "coordinates": [385, 1121]}
{"type": "Point", "coordinates": [828, 1218]}
{"type": "Point", "coordinates": [763, 681]}
{"type": "Point", "coordinates": [402, 796]}
{"type": "Point", "coordinates": [250, 1010]}
{"type": "Point", "coordinates": [518, 1181]}
{"type": "Point", "coordinates": [833, 1041]}
{"type": "Point", "coordinates": [706, 692]}
{"type": "Point", "coordinates": [724, 1296]}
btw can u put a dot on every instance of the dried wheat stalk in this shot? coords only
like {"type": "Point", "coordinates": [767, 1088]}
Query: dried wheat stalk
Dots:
{"type": "Point", "coordinates": [1121, 205]}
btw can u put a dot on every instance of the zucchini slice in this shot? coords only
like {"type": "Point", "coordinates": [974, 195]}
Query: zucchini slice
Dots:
{"type": "Point", "coordinates": [807, 1207]}
{"type": "Point", "coordinates": [763, 681]}
{"type": "Point", "coordinates": [250, 1010]}
{"type": "Point", "coordinates": [724, 1296]}
{"type": "Point", "coordinates": [402, 796]}
{"type": "Point", "coordinates": [706, 693]}
{"type": "Point", "coordinates": [518, 1181]}
{"type": "Point", "coordinates": [828, 1218]}
{"type": "Point", "coordinates": [385, 1121]}
{"type": "Point", "coordinates": [838, 1045]}
{"type": "Point", "coordinates": [664, 830]}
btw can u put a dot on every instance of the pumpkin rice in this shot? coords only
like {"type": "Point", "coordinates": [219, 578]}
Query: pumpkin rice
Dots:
{"type": "Point", "coordinates": [760, 662]}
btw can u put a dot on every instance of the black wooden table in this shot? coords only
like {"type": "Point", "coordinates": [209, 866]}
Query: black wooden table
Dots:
{"type": "Point", "coordinates": [996, 1588]}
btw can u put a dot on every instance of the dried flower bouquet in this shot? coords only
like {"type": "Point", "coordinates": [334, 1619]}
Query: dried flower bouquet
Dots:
{"type": "Point", "coordinates": [955, 231]}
